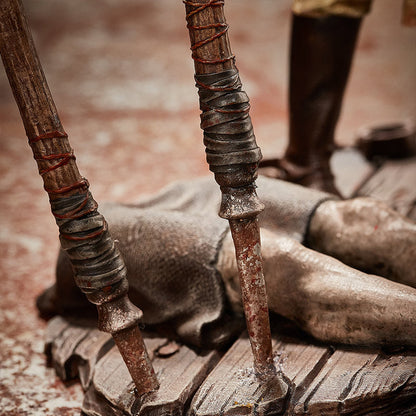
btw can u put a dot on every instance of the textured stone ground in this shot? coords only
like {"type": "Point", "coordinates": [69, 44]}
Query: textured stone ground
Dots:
{"type": "Point", "coordinates": [122, 78]}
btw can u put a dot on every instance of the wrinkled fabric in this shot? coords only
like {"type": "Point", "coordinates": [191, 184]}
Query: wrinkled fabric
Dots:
{"type": "Point", "coordinates": [288, 207]}
{"type": "Point", "coordinates": [170, 243]}
{"type": "Point", "coordinates": [349, 8]}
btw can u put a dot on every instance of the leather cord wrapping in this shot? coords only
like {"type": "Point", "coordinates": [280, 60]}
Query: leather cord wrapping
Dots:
{"type": "Point", "coordinates": [231, 149]}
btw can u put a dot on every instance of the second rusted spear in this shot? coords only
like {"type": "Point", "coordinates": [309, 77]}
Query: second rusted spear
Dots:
{"type": "Point", "coordinates": [98, 267]}
{"type": "Point", "coordinates": [233, 156]}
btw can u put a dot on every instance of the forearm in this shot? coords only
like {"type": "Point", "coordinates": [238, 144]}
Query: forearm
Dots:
{"type": "Point", "coordinates": [368, 235]}
{"type": "Point", "coordinates": [326, 298]}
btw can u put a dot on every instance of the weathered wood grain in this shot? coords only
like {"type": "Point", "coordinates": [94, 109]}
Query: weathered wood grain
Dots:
{"type": "Point", "coordinates": [359, 382]}
{"type": "Point", "coordinates": [63, 347]}
{"type": "Point", "coordinates": [111, 381]}
{"type": "Point", "coordinates": [54, 329]}
{"type": "Point", "coordinates": [73, 350]}
{"type": "Point", "coordinates": [350, 170]}
{"type": "Point", "coordinates": [395, 183]}
{"type": "Point", "coordinates": [179, 376]}
{"type": "Point", "coordinates": [83, 350]}
{"type": "Point", "coordinates": [88, 352]}
{"type": "Point", "coordinates": [232, 389]}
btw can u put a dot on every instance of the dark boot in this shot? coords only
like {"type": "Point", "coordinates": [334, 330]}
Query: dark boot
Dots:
{"type": "Point", "coordinates": [320, 60]}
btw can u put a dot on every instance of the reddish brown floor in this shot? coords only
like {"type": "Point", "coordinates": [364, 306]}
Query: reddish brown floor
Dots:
{"type": "Point", "coordinates": [122, 78]}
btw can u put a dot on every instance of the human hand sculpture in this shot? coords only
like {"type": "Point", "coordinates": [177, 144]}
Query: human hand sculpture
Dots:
{"type": "Point", "coordinates": [317, 251]}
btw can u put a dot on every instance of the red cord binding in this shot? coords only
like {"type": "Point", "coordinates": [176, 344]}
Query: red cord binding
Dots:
{"type": "Point", "coordinates": [224, 26]}
{"type": "Point", "coordinates": [87, 205]}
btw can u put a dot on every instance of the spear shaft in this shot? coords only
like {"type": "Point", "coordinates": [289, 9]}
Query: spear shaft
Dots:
{"type": "Point", "coordinates": [233, 156]}
{"type": "Point", "coordinates": [99, 270]}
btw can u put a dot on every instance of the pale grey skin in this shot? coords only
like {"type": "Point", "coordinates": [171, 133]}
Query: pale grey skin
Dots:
{"type": "Point", "coordinates": [319, 292]}
{"type": "Point", "coordinates": [325, 297]}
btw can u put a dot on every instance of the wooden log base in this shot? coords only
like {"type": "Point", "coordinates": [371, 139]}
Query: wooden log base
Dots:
{"type": "Point", "coordinates": [362, 382]}
{"type": "Point", "coordinates": [232, 388]}
{"type": "Point", "coordinates": [394, 183]}
{"type": "Point", "coordinates": [324, 380]}
{"type": "Point", "coordinates": [80, 350]}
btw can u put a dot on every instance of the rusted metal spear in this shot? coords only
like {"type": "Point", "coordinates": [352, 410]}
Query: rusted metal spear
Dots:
{"type": "Point", "coordinates": [98, 267]}
{"type": "Point", "coordinates": [233, 156]}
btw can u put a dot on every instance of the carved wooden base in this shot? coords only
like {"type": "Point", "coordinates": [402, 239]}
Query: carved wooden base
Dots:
{"type": "Point", "coordinates": [325, 380]}
{"type": "Point", "coordinates": [84, 351]}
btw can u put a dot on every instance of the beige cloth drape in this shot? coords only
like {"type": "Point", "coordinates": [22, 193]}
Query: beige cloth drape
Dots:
{"type": "Point", "coordinates": [170, 243]}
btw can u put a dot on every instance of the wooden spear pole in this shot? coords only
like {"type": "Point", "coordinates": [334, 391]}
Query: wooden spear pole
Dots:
{"type": "Point", "coordinates": [99, 269]}
{"type": "Point", "coordinates": [233, 156]}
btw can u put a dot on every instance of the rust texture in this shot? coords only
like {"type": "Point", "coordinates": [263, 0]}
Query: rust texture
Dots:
{"type": "Point", "coordinates": [246, 236]}
{"type": "Point", "coordinates": [233, 156]}
{"type": "Point", "coordinates": [99, 269]}
{"type": "Point", "coordinates": [131, 346]}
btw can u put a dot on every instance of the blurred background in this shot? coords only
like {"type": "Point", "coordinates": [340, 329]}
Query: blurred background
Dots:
{"type": "Point", "coordinates": [122, 78]}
